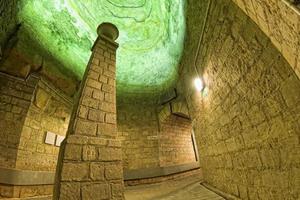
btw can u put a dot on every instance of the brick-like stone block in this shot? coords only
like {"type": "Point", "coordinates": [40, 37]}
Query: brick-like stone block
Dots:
{"type": "Point", "coordinates": [97, 171]}
{"type": "Point", "coordinates": [114, 171]}
{"type": "Point", "coordinates": [97, 141]}
{"type": "Point", "coordinates": [98, 94]}
{"type": "Point", "coordinates": [90, 102]}
{"type": "Point", "coordinates": [73, 152]}
{"type": "Point", "coordinates": [6, 191]}
{"type": "Point", "coordinates": [95, 61]}
{"type": "Point", "coordinates": [110, 98]}
{"type": "Point", "coordinates": [110, 154]}
{"type": "Point", "coordinates": [114, 143]}
{"type": "Point", "coordinates": [106, 54]}
{"type": "Point", "coordinates": [94, 84]}
{"type": "Point", "coordinates": [69, 191]}
{"type": "Point", "coordinates": [75, 172]}
{"type": "Point", "coordinates": [88, 91]}
{"type": "Point", "coordinates": [96, 68]}
{"type": "Point", "coordinates": [107, 107]}
{"type": "Point", "coordinates": [112, 68]}
{"type": "Point", "coordinates": [77, 139]}
{"type": "Point", "coordinates": [109, 74]}
{"type": "Point", "coordinates": [96, 115]}
{"type": "Point", "coordinates": [105, 129]}
{"type": "Point", "coordinates": [93, 75]}
{"type": "Point", "coordinates": [110, 118]}
{"type": "Point", "coordinates": [83, 112]}
{"type": "Point", "coordinates": [99, 51]}
{"type": "Point", "coordinates": [108, 88]}
{"type": "Point", "coordinates": [117, 190]}
{"type": "Point", "coordinates": [95, 191]}
{"type": "Point", "coordinates": [112, 82]}
{"type": "Point", "coordinates": [103, 79]}
{"type": "Point", "coordinates": [86, 128]}
{"type": "Point", "coordinates": [100, 57]}
{"type": "Point", "coordinates": [89, 153]}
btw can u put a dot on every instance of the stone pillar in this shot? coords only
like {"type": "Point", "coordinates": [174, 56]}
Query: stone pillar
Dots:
{"type": "Point", "coordinates": [90, 160]}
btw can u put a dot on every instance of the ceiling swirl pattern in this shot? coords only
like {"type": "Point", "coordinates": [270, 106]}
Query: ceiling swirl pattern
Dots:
{"type": "Point", "coordinates": [151, 36]}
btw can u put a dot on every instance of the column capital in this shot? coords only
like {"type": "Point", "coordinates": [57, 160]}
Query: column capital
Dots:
{"type": "Point", "coordinates": [107, 33]}
{"type": "Point", "coordinates": [108, 30]}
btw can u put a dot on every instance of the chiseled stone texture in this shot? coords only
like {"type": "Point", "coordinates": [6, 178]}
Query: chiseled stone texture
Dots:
{"type": "Point", "coordinates": [29, 108]}
{"type": "Point", "coordinates": [247, 124]}
{"type": "Point", "coordinates": [280, 21]}
{"type": "Point", "coordinates": [90, 161]}
{"type": "Point", "coordinates": [150, 142]}
{"type": "Point", "coordinates": [175, 144]}
{"type": "Point", "coordinates": [24, 192]}
{"type": "Point", "coordinates": [138, 129]}
{"type": "Point", "coordinates": [15, 100]}
{"type": "Point", "coordinates": [25, 117]}
{"type": "Point", "coordinates": [49, 111]}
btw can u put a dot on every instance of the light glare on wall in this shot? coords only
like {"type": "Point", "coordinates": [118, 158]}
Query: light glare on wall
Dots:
{"type": "Point", "coordinates": [198, 84]}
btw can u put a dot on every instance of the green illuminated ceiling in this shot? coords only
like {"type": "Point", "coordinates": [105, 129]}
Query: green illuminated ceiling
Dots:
{"type": "Point", "coordinates": [151, 36]}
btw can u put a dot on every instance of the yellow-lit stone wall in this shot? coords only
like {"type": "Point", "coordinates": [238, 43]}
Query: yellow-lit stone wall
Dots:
{"type": "Point", "coordinates": [247, 122]}
{"type": "Point", "coordinates": [149, 143]}
{"type": "Point", "coordinates": [175, 142]}
{"type": "Point", "coordinates": [49, 111]}
{"type": "Point", "coordinates": [28, 109]}
{"type": "Point", "coordinates": [15, 99]}
{"type": "Point", "coordinates": [280, 21]}
{"type": "Point", "coordinates": [138, 129]}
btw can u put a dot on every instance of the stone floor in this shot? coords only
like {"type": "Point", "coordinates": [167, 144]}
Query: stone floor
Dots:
{"type": "Point", "coordinates": [179, 189]}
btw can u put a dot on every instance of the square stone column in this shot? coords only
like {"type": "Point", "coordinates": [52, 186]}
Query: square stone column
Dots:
{"type": "Point", "coordinates": [90, 160]}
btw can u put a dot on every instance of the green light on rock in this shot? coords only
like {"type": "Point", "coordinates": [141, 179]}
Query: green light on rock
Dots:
{"type": "Point", "coordinates": [151, 36]}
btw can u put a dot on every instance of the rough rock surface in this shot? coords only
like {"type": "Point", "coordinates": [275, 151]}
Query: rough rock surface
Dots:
{"type": "Point", "coordinates": [247, 120]}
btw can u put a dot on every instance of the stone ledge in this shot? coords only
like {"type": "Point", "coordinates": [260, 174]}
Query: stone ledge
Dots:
{"type": "Point", "coordinates": [24, 177]}
{"type": "Point", "coordinates": [159, 171]}
{"type": "Point", "coordinates": [92, 140]}
{"type": "Point", "coordinates": [219, 192]}
{"type": "Point", "coordinates": [48, 197]}
{"type": "Point", "coordinates": [106, 39]}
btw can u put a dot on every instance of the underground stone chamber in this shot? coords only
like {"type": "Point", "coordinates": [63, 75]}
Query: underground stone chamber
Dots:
{"type": "Point", "coordinates": [98, 99]}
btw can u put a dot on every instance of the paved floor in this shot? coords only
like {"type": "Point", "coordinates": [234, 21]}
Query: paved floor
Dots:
{"type": "Point", "coordinates": [180, 189]}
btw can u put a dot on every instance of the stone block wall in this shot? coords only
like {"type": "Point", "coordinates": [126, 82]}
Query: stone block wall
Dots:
{"type": "Point", "coordinates": [175, 142]}
{"type": "Point", "coordinates": [280, 21]}
{"type": "Point", "coordinates": [15, 100]}
{"type": "Point", "coordinates": [49, 111]}
{"type": "Point", "coordinates": [247, 121]}
{"type": "Point", "coordinates": [149, 143]}
{"type": "Point", "coordinates": [138, 129]}
{"type": "Point", "coordinates": [28, 109]}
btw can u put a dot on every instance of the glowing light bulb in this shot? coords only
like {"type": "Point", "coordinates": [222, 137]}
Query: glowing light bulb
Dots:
{"type": "Point", "coordinates": [198, 84]}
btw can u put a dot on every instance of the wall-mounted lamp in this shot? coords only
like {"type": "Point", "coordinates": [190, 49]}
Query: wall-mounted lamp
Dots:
{"type": "Point", "coordinates": [199, 84]}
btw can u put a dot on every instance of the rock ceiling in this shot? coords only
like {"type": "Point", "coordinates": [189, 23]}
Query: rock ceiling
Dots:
{"type": "Point", "coordinates": [151, 36]}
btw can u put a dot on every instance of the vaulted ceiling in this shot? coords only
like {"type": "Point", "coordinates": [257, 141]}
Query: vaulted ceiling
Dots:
{"type": "Point", "coordinates": [151, 37]}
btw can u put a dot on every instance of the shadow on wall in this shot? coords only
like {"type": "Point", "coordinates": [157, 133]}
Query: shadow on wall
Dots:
{"type": "Point", "coordinates": [176, 142]}
{"type": "Point", "coordinates": [8, 15]}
